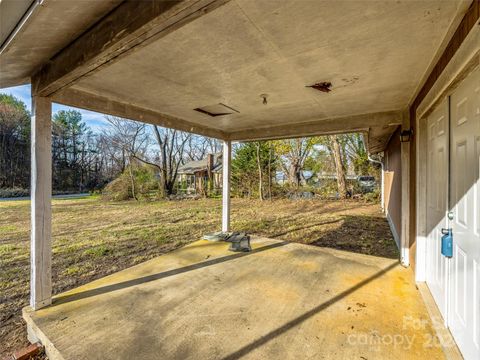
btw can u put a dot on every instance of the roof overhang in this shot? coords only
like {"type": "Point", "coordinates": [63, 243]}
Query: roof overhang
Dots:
{"type": "Point", "coordinates": [159, 61]}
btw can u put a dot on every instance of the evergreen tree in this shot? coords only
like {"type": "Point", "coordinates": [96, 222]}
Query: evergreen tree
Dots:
{"type": "Point", "coordinates": [14, 143]}
{"type": "Point", "coordinates": [252, 169]}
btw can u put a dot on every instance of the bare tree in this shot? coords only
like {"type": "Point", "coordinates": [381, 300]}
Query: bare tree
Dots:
{"type": "Point", "coordinates": [198, 147]}
{"type": "Point", "coordinates": [131, 140]}
{"type": "Point", "coordinates": [171, 145]}
{"type": "Point", "coordinates": [293, 153]}
{"type": "Point", "coordinates": [259, 166]}
{"type": "Point", "coordinates": [128, 135]}
{"type": "Point", "coordinates": [356, 153]}
{"type": "Point", "coordinates": [340, 171]}
{"type": "Point", "coordinates": [133, 143]}
{"type": "Point", "coordinates": [270, 159]}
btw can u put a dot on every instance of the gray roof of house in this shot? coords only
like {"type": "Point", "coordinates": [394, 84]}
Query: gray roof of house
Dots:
{"type": "Point", "coordinates": [192, 167]}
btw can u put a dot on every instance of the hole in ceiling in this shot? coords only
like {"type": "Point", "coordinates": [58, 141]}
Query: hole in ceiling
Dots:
{"type": "Point", "coordinates": [216, 110]}
{"type": "Point", "coordinates": [322, 86]}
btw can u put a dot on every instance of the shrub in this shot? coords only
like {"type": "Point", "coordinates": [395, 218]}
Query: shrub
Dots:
{"type": "Point", "coordinates": [327, 189]}
{"type": "Point", "coordinates": [118, 189]}
{"type": "Point", "coordinates": [14, 192]}
{"type": "Point", "coordinates": [19, 192]}
{"type": "Point", "coordinates": [373, 196]}
{"type": "Point", "coordinates": [145, 183]}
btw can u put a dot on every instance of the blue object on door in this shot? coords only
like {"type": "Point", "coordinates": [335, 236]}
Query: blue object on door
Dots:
{"type": "Point", "coordinates": [447, 243]}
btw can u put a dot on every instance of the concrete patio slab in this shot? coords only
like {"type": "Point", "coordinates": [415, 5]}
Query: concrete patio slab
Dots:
{"type": "Point", "coordinates": [280, 301]}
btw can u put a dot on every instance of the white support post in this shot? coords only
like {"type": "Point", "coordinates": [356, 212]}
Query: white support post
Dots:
{"type": "Point", "coordinates": [41, 212]}
{"type": "Point", "coordinates": [405, 185]}
{"type": "Point", "coordinates": [382, 193]}
{"type": "Point", "coordinates": [382, 165]}
{"type": "Point", "coordinates": [226, 164]}
{"type": "Point", "coordinates": [421, 204]}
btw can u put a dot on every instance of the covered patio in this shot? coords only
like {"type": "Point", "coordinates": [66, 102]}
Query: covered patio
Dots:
{"type": "Point", "coordinates": [282, 300]}
{"type": "Point", "coordinates": [241, 70]}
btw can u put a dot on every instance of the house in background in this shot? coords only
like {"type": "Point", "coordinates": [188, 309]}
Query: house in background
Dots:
{"type": "Point", "coordinates": [193, 177]}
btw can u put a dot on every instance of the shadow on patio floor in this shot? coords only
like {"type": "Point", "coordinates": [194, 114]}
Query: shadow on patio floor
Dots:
{"type": "Point", "coordinates": [300, 319]}
{"type": "Point", "coordinates": [137, 281]}
{"type": "Point", "coordinates": [369, 235]}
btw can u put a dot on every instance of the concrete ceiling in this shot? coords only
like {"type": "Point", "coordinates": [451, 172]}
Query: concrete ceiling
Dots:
{"type": "Point", "coordinates": [375, 54]}
{"type": "Point", "coordinates": [47, 27]}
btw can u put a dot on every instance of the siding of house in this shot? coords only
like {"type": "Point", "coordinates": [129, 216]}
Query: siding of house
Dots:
{"type": "Point", "coordinates": [195, 183]}
{"type": "Point", "coordinates": [393, 186]}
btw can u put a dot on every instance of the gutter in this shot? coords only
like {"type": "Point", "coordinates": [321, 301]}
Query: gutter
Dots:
{"type": "Point", "coordinates": [32, 9]}
{"type": "Point", "coordinates": [382, 199]}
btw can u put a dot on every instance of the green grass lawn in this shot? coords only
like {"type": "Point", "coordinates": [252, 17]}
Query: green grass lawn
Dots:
{"type": "Point", "coordinates": [93, 238]}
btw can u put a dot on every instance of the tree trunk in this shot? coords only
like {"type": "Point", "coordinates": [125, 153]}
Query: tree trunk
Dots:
{"type": "Point", "coordinates": [163, 162]}
{"type": "Point", "coordinates": [337, 156]}
{"type": "Point", "coordinates": [270, 172]}
{"type": "Point", "coordinates": [260, 182]}
{"type": "Point", "coordinates": [132, 179]}
{"type": "Point", "coordinates": [294, 171]}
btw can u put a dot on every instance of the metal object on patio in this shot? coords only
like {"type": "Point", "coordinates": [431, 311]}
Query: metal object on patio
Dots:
{"type": "Point", "coordinates": [239, 242]}
{"type": "Point", "coordinates": [216, 236]}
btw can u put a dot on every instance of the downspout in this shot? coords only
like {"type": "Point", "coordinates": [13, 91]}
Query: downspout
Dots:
{"type": "Point", "coordinates": [27, 16]}
{"type": "Point", "coordinates": [382, 201]}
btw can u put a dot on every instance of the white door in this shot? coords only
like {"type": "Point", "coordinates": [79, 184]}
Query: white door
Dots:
{"type": "Point", "coordinates": [464, 293]}
{"type": "Point", "coordinates": [437, 196]}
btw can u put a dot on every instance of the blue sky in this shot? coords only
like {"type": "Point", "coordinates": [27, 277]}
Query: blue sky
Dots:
{"type": "Point", "coordinates": [95, 121]}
